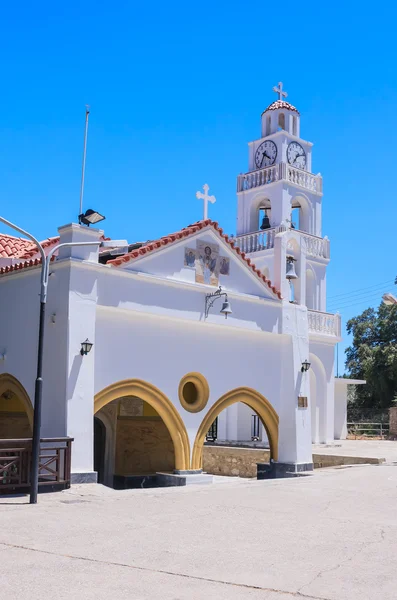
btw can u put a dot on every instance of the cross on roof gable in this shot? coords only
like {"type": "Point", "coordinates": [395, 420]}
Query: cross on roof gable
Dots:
{"type": "Point", "coordinates": [159, 244]}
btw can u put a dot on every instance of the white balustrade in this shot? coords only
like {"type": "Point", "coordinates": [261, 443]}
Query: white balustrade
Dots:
{"type": "Point", "coordinates": [316, 246]}
{"type": "Point", "coordinates": [274, 173]}
{"type": "Point", "coordinates": [324, 323]}
{"type": "Point", "coordinates": [310, 182]}
{"type": "Point", "coordinates": [264, 240]}
{"type": "Point", "coordinates": [256, 241]}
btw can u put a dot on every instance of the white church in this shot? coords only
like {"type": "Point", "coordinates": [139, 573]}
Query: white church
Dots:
{"type": "Point", "coordinates": [151, 350]}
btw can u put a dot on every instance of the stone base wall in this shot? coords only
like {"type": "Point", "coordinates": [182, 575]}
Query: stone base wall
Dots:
{"type": "Point", "coordinates": [14, 425]}
{"type": "Point", "coordinates": [143, 446]}
{"type": "Point", "coordinates": [242, 462]}
{"type": "Point", "coordinates": [234, 462]}
{"type": "Point", "coordinates": [393, 420]}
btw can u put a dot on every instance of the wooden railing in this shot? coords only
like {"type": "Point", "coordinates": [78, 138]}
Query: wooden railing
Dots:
{"type": "Point", "coordinates": [15, 464]}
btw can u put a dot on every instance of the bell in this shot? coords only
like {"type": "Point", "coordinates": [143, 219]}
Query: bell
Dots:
{"type": "Point", "coordinates": [265, 222]}
{"type": "Point", "coordinates": [291, 274]}
{"type": "Point", "coordinates": [226, 310]}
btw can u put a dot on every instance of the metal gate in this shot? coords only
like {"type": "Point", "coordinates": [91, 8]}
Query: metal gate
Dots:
{"type": "Point", "coordinates": [212, 432]}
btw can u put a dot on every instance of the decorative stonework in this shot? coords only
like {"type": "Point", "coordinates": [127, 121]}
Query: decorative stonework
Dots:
{"type": "Point", "coordinates": [131, 407]}
{"type": "Point", "coordinates": [193, 392]}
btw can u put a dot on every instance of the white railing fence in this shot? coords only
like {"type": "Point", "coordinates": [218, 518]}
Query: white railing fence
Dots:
{"type": "Point", "coordinates": [264, 240]}
{"type": "Point", "coordinates": [324, 323]}
{"type": "Point", "coordinates": [254, 179]}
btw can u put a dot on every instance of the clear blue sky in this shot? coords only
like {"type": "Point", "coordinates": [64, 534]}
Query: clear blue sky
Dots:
{"type": "Point", "coordinates": [176, 91]}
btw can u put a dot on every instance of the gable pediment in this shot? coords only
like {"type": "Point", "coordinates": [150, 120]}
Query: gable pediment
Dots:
{"type": "Point", "coordinates": [204, 256]}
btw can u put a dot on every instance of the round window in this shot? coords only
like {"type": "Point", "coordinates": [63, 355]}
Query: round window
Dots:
{"type": "Point", "coordinates": [193, 392]}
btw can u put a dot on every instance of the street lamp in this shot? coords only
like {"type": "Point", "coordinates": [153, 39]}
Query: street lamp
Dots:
{"type": "Point", "coordinates": [38, 390]}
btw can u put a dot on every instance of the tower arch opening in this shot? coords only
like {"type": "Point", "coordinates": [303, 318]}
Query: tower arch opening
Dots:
{"type": "Point", "coordinates": [281, 121]}
{"type": "Point", "coordinates": [311, 289]}
{"type": "Point", "coordinates": [300, 213]}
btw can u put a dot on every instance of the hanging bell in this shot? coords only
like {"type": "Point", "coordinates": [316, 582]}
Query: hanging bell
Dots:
{"type": "Point", "coordinates": [265, 222]}
{"type": "Point", "coordinates": [226, 309]}
{"type": "Point", "coordinates": [291, 273]}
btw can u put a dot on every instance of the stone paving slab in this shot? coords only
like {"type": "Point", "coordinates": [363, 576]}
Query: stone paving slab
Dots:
{"type": "Point", "coordinates": [331, 536]}
{"type": "Point", "coordinates": [381, 449]}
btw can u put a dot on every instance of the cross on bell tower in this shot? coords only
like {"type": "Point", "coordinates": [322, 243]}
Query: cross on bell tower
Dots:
{"type": "Point", "coordinates": [279, 90]}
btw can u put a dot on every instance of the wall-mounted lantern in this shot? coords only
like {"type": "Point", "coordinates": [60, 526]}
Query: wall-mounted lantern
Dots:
{"type": "Point", "coordinates": [85, 347]}
{"type": "Point", "coordinates": [305, 366]}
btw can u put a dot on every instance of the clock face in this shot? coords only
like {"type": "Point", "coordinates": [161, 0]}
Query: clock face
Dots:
{"type": "Point", "coordinates": [296, 155]}
{"type": "Point", "coordinates": [265, 154]}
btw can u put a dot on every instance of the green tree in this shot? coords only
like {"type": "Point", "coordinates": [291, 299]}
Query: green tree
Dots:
{"type": "Point", "coordinates": [373, 356]}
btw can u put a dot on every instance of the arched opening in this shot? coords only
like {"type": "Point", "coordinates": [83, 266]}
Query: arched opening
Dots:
{"type": "Point", "coordinates": [281, 121]}
{"type": "Point", "coordinates": [144, 433]}
{"type": "Point", "coordinates": [293, 267]}
{"type": "Point", "coordinates": [294, 126]}
{"type": "Point", "coordinates": [264, 215]}
{"type": "Point", "coordinates": [318, 391]}
{"type": "Point", "coordinates": [99, 448]}
{"type": "Point", "coordinates": [258, 405]}
{"type": "Point", "coordinates": [314, 408]}
{"type": "Point", "coordinates": [300, 214]}
{"type": "Point", "coordinates": [311, 301]}
{"type": "Point", "coordinates": [16, 411]}
{"type": "Point", "coordinates": [268, 125]}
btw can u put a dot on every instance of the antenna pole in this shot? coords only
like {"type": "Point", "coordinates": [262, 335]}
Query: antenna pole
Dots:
{"type": "Point", "coordinates": [87, 112]}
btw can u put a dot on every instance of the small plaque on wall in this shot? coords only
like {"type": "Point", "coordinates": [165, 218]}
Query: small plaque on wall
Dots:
{"type": "Point", "coordinates": [302, 401]}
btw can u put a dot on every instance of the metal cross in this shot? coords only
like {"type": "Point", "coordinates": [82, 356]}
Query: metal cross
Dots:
{"type": "Point", "coordinates": [279, 90]}
{"type": "Point", "coordinates": [206, 199]}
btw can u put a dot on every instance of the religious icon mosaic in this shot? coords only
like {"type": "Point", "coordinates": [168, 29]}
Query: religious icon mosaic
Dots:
{"type": "Point", "coordinates": [206, 261]}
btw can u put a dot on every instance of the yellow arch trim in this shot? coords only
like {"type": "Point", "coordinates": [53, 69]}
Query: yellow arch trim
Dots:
{"type": "Point", "coordinates": [9, 382]}
{"type": "Point", "coordinates": [159, 401]}
{"type": "Point", "coordinates": [254, 400]}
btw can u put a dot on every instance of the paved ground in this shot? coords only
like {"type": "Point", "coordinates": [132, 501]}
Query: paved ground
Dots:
{"type": "Point", "coordinates": [330, 536]}
{"type": "Point", "coordinates": [365, 448]}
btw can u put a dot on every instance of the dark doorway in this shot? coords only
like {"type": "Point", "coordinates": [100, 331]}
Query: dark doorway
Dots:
{"type": "Point", "coordinates": [99, 448]}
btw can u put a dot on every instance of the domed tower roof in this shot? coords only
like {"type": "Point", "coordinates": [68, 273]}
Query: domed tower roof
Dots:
{"type": "Point", "coordinates": [281, 104]}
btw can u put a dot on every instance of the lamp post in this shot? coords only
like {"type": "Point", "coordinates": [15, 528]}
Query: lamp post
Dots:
{"type": "Point", "coordinates": [38, 389]}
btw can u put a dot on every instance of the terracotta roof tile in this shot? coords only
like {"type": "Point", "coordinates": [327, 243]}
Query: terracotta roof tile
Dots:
{"type": "Point", "coordinates": [22, 265]}
{"type": "Point", "coordinates": [173, 237]}
{"type": "Point", "coordinates": [15, 247]}
{"type": "Point", "coordinates": [281, 104]}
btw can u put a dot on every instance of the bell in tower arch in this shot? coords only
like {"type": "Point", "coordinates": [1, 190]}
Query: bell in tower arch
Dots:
{"type": "Point", "coordinates": [290, 271]}
{"type": "Point", "coordinates": [265, 222]}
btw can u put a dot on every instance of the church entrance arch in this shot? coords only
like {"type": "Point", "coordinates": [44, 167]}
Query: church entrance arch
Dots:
{"type": "Point", "coordinates": [142, 430]}
{"type": "Point", "coordinates": [99, 448]}
{"type": "Point", "coordinates": [256, 402]}
{"type": "Point", "coordinates": [16, 410]}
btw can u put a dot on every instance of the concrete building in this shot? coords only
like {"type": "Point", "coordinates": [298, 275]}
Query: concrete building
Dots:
{"type": "Point", "coordinates": [165, 362]}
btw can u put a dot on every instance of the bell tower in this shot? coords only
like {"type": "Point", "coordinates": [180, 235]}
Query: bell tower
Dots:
{"type": "Point", "coordinates": [280, 194]}
{"type": "Point", "coordinates": [279, 178]}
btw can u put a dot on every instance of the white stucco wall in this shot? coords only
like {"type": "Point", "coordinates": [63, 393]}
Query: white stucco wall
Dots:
{"type": "Point", "coordinates": [152, 327]}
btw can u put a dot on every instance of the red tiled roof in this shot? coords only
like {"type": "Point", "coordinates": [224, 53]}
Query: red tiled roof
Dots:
{"type": "Point", "coordinates": [183, 233]}
{"type": "Point", "coordinates": [14, 247]}
{"type": "Point", "coordinates": [281, 104]}
{"type": "Point", "coordinates": [23, 265]}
